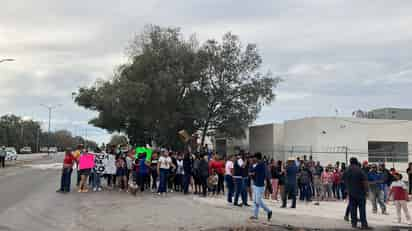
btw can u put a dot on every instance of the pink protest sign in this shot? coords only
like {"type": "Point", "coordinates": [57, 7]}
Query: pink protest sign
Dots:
{"type": "Point", "coordinates": [86, 161]}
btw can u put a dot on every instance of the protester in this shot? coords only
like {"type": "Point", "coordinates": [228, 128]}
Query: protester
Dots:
{"type": "Point", "coordinates": [66, 172]}
{"type": "Point", "coordinates": [76, 155]}
{"type": "Point", "coordinates": [259, 172]}
{"type": "Point", "coordinates": [218, 166]}
{"type": "Point", "coordinates": [376, 186]}
{"type": "Point", "coordinates": [229, 178]}
{"type": "Point", "coordinates": [388, 178]}
{"type": "Point", "coordinates": [164, 166]}
{"type": "Point", "coordinates": [179, 174]}
{"type": "Point", "coordinates": [305, 179]}
{"type": "Point", "coordinates": [275, 170]}
{"type": "Point", "coordinates": [196, 174]}
{"type": "Point", "coordinates": [399, 191]}
{"type": "Point", "coordinates": [3, 154]}
{"type": "Point", "coordinates": [153, 171]}
{"type": "Point", "coordinates": [212, 182]}
{"type": "Point", "coordinates": [187, 172]}
{"type": "Point", "coordinates": [318, 170]}
{"type": "Point", "coordinates": [84, 174]}
{"type": "Point", "coordinates": [238, 170]}
{"type": "Point", "coordinates": [357, 187]}
{"type": "Point", "coordinates": [121, 171]}
{"type": "Point", "coordinates": [291, 181]}
{"type": "Point", "coordinates": [409, 172]}
{"type": "Point", "coordinates": [143, 173]}
{"type": "Point", "coordinates": [336, 188]}
{"type": "Point", "coordinates": [204, 173]}
{"type": "Point", "coordinates": [327, 182]}
{"type": "Point", "coordinates": [95, 176]}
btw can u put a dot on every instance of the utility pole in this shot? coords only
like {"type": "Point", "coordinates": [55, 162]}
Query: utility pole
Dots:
{"type": "Point", "coordinates": [50, 109]}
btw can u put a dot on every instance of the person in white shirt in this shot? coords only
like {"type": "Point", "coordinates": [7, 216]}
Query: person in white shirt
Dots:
{"type": "Point", "coordinates": [229, 178]}
{"type": "Point", "coordinates": [163, 169]}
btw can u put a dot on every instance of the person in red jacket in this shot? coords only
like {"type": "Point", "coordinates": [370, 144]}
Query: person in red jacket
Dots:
{"type": "Point", "coordinates": [337, 175]}
{"type": "Point", "coordinates": [400, 195]}
{"type": "Point", "coordinates": [218, 165]}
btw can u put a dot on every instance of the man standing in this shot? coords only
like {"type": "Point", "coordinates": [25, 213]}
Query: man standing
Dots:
{"type": "Point", "coordinates": [3, 154]}
{"type": "Point", "coordinates": [239, 166]}
{"type": "Point", "coordinates": [229, 178]}
{"type": "Point", "coordinates": [376, 187]}
{"type": "Point", "coordinates": [290, 189]}
{"type": "Point", "coordinates": [317, 184]}
{"type": "Point", "coordinates": [259, 173]}
{"type": "Point", "coordinates": [357, 186]}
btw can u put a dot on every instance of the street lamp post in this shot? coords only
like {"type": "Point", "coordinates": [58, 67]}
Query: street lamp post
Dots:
{"type": "Point", "coordinates": [50, 109]}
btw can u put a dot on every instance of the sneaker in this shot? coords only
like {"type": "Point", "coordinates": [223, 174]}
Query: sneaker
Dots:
{"type": "Point", "coordinates": [270, 215]}
{"type": "Point", "coordinates": [346, 218]}
{"type": "Point", "coordinates": [59, 191]}
{"type": "Point", "coordinates": [94, 189]}
{"type": "Point", "coordinates": [246, 205]}
{"type": "Point", "coordinates": [366, 228]}
{"type": "Point", "coordinates": [385, 213]}
{"type": "Point", "coordinates": [100, 189]}
{"type": "Point", "coordinates": [253, 218]}
{"type": "Point", "coordinates": [159, 194]}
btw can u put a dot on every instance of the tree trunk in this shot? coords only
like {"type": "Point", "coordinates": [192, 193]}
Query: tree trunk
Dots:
{"type": "Point", "coordinates": [204, 133]}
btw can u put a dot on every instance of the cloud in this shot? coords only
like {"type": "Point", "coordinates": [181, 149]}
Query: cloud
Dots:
{"type": "Point", "coordinates": [343, 54]}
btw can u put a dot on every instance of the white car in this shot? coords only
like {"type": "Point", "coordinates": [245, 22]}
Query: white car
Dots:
{"type": "Point", "coordinates": [53, 149]}
{"type": "Point", "coordinates": [25, 150]}
{"type": "Point", "coordinates": [11, 153]}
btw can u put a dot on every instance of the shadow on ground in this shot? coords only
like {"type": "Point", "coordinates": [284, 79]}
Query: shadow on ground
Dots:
{"type": "Point", "coordinates": [271, 227]}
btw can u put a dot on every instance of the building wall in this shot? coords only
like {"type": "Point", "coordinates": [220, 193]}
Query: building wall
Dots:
{"type": "Point", "coordinates": [328, 139]}
{"type": "Point", "coordinates": [392, 113]}
{"type": "Point", "coordinates": [261, 138]}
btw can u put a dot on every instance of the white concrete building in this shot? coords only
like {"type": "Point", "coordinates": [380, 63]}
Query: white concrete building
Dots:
{"type": "Point", "coordinates": [330, 139]}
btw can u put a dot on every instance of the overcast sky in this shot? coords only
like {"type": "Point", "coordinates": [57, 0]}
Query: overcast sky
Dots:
{"type": "Point", "coordinates": [332, 54]}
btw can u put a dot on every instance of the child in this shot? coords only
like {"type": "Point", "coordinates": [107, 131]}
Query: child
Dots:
{"type": "Point", "coordinates": [400, 196]}
{"type": "Point", "coordinates": [212, 182]}
{"type": "Point", "coordinates": [121, 171]}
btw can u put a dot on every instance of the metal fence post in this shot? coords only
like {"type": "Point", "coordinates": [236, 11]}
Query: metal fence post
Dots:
{"type": "Point", "coordinates": [346, 155]}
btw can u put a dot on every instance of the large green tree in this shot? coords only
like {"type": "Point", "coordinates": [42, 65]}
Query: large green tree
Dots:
{"type": "Point", "coordinates": [150, 97]}
{"type": "Point", "coordinates": [232, 87]}
{"type": "Point", "coordinates": [172, 83]}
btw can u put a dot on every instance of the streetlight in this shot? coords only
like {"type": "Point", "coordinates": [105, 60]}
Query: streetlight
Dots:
{"type": "Point", "coordinates": [6, 60]}
{"type": "Point", "coordinates": [50, 108]}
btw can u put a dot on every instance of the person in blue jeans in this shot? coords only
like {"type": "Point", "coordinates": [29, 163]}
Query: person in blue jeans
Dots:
{"type": "Point", "coordinates": [163, 167]}
{"type": "Point", "coordinates": [240, 187]}
{"type": "Point", "coordinates": [66, 173]}
{"type": "Point", "coordinates": [229, 178]}
{"type": "Point", "coordinates": [259, 174]}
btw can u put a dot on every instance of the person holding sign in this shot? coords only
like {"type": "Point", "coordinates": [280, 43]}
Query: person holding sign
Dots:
{"type": "Point", "coordinates": [86, 163]}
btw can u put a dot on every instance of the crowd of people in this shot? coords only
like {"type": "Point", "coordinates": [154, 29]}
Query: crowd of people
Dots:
{"type": "Point", "coordinates": [246, 177]}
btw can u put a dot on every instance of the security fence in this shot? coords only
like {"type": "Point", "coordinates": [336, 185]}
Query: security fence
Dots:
{"type": "Point", "coordinates": [342, 154]}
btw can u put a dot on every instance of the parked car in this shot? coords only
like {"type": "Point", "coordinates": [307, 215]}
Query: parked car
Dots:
{"type": "Point", "coordinates": [11, 153]}
{"type": "Point", "coordinates": [53, 149]}
{"type": "Point", "coordinates": [25, 150]}
{"type": "Point", "coordinates": [43, 149]}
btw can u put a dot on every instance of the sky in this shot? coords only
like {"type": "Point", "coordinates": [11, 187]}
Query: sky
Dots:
{"type": "Point", "coordinates": [334, 55]}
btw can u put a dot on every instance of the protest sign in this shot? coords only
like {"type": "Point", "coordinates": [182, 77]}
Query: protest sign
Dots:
{"type": "Point", "coordinates": [86, 161]}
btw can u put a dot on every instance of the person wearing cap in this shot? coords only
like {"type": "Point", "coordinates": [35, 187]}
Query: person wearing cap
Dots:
{"type": "Point", "coordinates": [357, 186]}
{"type": "Point", "coordinates": [259, 172]}
{"type": "Point", "coordinates": [365, 167]}
{"type": "Point", "coordinates": [3, 154]}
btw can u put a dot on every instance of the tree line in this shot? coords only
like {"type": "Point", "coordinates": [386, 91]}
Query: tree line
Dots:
{"type": "Point", "coordinates": [172, 83]}
{"type": "Point", "coordinates": [17, 132]}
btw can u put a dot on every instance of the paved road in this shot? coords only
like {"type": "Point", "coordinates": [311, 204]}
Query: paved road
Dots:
{"type": "Point", "coordinates": [28, 202]}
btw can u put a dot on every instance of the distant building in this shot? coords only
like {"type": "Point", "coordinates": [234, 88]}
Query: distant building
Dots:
{"type": "Point", "coordinates": [332, 139]}
{"type": "Point", "coordinates": [391, 113]}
